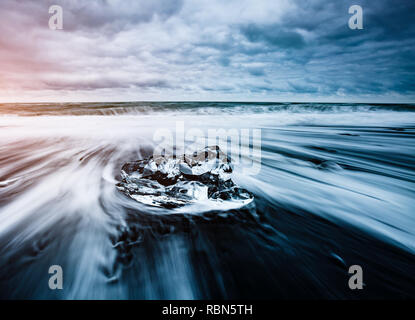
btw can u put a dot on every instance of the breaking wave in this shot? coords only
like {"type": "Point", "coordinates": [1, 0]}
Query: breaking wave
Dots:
{"type": "Point", "coordinates": [193, 108]}
{"type": "Point", "coordinates": [335, 188]}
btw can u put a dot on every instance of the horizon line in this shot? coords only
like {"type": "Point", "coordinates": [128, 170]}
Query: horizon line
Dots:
{"type": "Point", "coordinates": [209, 101]}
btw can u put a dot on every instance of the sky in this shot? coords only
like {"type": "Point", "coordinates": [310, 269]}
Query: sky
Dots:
{"type": "Point", "coordinates": [207, 50]}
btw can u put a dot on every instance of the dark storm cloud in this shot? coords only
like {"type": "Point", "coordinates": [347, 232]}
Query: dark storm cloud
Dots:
{"type": "Point", "coordinates": [113, 16]}
{"type": "Point", "coordinates": [235, 48]}
{"type": "Point", "coordinates": [273, 35]}
{"type": "Point", "coordinates": [256, 71]}
{"type": "Point", "coordinates": [369, 61]}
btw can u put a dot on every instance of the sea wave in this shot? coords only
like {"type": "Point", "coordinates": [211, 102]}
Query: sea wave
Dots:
{"type": "Point", "coordinates": [194, 108]}
{"type": "Point", "coordinates": [335, 188]}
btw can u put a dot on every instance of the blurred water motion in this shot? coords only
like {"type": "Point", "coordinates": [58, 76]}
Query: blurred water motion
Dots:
{"type": "Point", "coordinates": [336, 188]}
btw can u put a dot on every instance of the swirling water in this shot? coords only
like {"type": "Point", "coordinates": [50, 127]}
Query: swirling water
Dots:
{"type": "Point", "coordinates": [336, 187]}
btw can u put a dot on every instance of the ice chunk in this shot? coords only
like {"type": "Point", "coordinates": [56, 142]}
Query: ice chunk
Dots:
{"type": "Point", "coordinates": [176, 181]}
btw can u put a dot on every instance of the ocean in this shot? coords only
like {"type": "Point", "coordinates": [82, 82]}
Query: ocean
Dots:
{"type": "Point", "coordinates": [329, 186]}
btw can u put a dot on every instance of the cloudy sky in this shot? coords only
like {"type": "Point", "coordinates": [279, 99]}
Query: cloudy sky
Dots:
{"type": "Point", "coordinates": [240, 50]}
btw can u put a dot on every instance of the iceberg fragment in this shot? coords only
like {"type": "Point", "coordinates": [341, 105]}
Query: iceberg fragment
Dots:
{"type": "Point", "coordinates": [171, 182]}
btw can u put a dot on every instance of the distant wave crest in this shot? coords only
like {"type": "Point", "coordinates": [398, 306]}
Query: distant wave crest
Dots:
{"type": "Point", "coordinates": [199, 108]}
